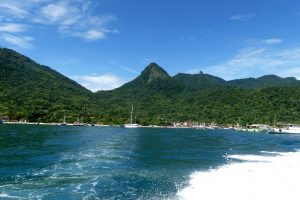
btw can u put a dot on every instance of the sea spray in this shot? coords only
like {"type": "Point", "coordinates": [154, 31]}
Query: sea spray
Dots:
{"type": "Point", "coordinates": [255, 178]}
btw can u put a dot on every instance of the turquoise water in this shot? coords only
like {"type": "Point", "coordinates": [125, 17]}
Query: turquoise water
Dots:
{"type": "Point", "coordinates": [61, 162]}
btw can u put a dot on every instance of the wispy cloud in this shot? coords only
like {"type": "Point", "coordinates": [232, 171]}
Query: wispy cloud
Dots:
{"type": "Point", "coordinates": [71, 18]}
{"type": "Point", "coordinates": [99, 82]}
{"type": "Point", "coordinates": [130, 70]}
{"type": "Point", "coordinates": [12, 28]}
{"type": "Point", "coordinates": [256, 62]}
{"type": "Point", "coordinates": [272, 41]}
{"type": "Point", "coordinates": [268, 41]}
{"type": "Point", "coordinates": [77, 19]}
{"type": "Point", "coordinates": [55, 12]}
{"type": "Point", "coordinates": [23, 42]}
{"type": "Point", "coordinates": [13, 34]}
{"type": "Point", "coordinates": [242, 17]}
{"type": "Point", "coordinates": [13, 8]}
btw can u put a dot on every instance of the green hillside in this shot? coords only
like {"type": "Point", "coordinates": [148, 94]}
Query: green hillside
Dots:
{"type": "Point", "coordinates": [36, 92]}
{"type": "Point", "coordinates": [33, 92]}
{"type": "Point", "coordinates": [199, 97]}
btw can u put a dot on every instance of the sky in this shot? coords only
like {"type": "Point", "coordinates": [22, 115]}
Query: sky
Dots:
{"type": "Point", "coordinates": [103, 44]}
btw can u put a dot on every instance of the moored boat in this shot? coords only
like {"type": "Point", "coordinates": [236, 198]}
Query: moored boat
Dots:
{"type": "Point", "coordinates": [131, 125]}
{"type": "Point", "coordinates": [289, 129]}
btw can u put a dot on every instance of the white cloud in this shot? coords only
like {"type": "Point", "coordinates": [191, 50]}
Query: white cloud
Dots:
{"type": "Point", "coordinates": [76, 19]}
{"type": "Point", "coordinates": [242, 17]}
{"type": "Point", "coordinates": [73, 18]}
{"type": "Point", "coordinates": [99, 82]}
{"type": "Point", "coordinates": [91, 34]}
{"type": "Point", "coordinates": [12, 28]}
{"type": "Point", "coordinates": [256, 62]}
{"type": "Point", "coordinates": [272, 41]}
{"type": "Point", "coordinates": [54, 12]}
{"type": "Point", "coordinates": [23, 42]}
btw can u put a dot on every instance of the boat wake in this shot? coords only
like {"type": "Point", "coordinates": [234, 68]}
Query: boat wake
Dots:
{"type": "Point", "coordinates": [269, 176]}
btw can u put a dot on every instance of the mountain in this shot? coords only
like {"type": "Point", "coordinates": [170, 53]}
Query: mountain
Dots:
{"type": "Point", "coordinates": [153, 78]}
{"type": "Point", "coordinates": [161, 99]}
{"type": "Point", "coordinates": [205, 81]}
{"type": "Point", "coordinates": [199, 81]}
{"type": "Point", "coordinates": [264, 81]}
{"type": "Point", "coordinates": [151, 94]}
{"type": "Point", "coordinates": [36, 92]}
{"type": "Point", "coordinates": [153, 72]}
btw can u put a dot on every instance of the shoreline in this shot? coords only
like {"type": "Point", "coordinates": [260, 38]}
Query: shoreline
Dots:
{"type": "Point", "coordinates": [112, 125]}
{"type": "Point", "coordinates": [119, 126]}
{"type": "Point", "coordinates": [256, 128]}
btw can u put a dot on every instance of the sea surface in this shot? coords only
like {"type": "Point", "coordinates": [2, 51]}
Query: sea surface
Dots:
{"type": "Point", "coordinates": [62, 162]}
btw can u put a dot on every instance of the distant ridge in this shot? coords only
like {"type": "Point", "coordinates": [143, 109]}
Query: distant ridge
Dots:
{"type": "Point", "coordinates": [199, 81]}
{"type": "Point", "coordinates": [264, 81]}
{"type": "Point", "coordinates": [195, 82]}
{"type": "Point", "coordinates": [33, 92]}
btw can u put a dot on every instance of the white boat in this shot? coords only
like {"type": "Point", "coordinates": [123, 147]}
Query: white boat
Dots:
{"type": "Point", "coordinates": [289, 129]}
{"type": "Point", "coordinates": [199, 126]}
{"type": "Point", "coordinates": [131, 125]}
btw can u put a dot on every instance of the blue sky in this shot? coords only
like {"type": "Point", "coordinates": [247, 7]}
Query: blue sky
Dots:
{"type": "Point", "coordinates": [104, 43]}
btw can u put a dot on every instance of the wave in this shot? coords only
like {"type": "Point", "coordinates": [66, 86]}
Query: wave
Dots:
{"type": "Point", "coordinates": [272, 175]}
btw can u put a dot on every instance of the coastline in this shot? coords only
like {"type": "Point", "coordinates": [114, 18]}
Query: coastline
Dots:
{"type": "Point", "coordinates": [255, 128]}
{"type": "Point", "coordinates": [214, 127]}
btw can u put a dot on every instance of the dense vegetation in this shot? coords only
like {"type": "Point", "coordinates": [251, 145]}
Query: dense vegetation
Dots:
{"type": "Point", "coordinates": [32, 92]}
{"type": "Point", "coordinates": [37, 93]}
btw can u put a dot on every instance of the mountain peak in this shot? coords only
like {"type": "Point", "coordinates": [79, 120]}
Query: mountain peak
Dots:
{"type": "Point", "coordinates": [154, 71]}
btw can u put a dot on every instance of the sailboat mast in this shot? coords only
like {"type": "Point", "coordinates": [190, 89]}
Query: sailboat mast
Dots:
{"type": "Point", "coordinates": [131, 114]}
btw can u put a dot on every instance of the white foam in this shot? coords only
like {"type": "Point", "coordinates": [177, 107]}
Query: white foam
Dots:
{"type": "Point", "coordinates": [4, 195]}
{"type": "Point", "coordinates": [259, 178]}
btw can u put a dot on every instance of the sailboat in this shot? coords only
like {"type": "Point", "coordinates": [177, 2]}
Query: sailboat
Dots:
{"type": "Point", "coordinates": [64, 122]}
{"type": "Point", "coordinates": [131, 125]}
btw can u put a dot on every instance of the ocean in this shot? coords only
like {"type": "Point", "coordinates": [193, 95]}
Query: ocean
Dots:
{"type": "Point", "coordinates": [65, 162]}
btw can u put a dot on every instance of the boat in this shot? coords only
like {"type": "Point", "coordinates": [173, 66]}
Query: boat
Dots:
{"type": "Point", "coordinates": [131, 125]}
{"type": "Point", "coordinates": [199, 126]}
{"type": "Point", "coordinates": [289, 129]}
{"type": "Point", "coordinates": [79, 122]}
{"type": "Point", "coordinates": [254, 128]}
{"type": "Point", "coordinates": [64, 122]}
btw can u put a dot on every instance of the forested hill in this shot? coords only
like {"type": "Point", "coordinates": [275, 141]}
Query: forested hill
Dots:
{"type": "Point", "coordinates": [202, 97]}
{"type": "Point", "coordinates": [34, 92]}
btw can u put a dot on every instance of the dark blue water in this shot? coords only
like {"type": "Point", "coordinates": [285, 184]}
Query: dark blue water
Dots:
{"type": "Point", "coordinates": [61, 162]}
